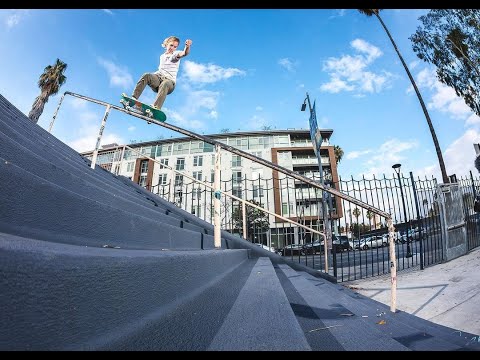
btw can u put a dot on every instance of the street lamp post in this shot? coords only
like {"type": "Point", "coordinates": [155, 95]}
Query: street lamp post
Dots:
{"type": "Point", "coordinates": [396, 167]}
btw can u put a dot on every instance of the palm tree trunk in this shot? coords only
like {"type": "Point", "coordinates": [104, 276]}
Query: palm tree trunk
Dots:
{"type": "Point", "coordinates": [37, 107]}
{"type": "Point", "coordinates": [424, 108]}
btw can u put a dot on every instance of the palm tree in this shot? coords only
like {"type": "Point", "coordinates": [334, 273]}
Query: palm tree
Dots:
{"type": "Point", "coordinates": [49, 83]}
{"type": "Point", "coordinates": [337, 150]}
{"type": "Point", "coordinates": [376, 12]}
{"type": "Point", "coordinates": [370, 216]}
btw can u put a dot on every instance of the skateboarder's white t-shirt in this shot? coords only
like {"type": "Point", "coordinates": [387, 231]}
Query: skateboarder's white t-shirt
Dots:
{"type": "Point", "coordinates": [169, 64]}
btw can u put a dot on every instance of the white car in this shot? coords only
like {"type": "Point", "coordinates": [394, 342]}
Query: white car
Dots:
{"type": "Point", "coordinates": [266, 247]}
{"type": "Point", "coordinates": [373, 242]}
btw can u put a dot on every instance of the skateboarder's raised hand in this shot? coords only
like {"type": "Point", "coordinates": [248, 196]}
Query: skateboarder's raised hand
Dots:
{"type": "Point", "coordinates": [185, 51]}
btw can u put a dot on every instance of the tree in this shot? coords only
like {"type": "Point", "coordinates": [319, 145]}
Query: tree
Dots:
{"type": "Point", "coordinates": [337, 150]}
{"type": "Point", "coordinates": [371, 215]}
{"type": "Point", "coordinates": [376, 12]}
{"type": "Point", "coordinates": [266, 128]}
{"type": "Point", "coordinates": [449, 39]}
{"type": "Point", "coordinates": [225, 130]}
{"type": "Point", "coordinates": [49, 83]}
{"type": "Point", "coordinates": [257, 220]}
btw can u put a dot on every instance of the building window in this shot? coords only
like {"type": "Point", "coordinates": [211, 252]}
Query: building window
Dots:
{"type": "Point", "coordinates": [196, 210]}
{"type": "Point", "coordinates": [143, 181]}
{"type": "Point", "coordinates": [212, 176]}
{"type": "Point", "coordinates": [197, 194]}
{"type": "Point", "coordinates": [237, 191]}
{"type": "Point", "coordinates": [180, 164]}
{"type": "Point", "coordinates": [286, 209]}
{"type": "Point", "coordinates": [198, 160]}
{"type": "Point", "coordinates": [163, 162]}
{"type": "Point", "coordinates": [197, 175]}
{"type": "Point", "coordinates": [178, 197]}
{"type": "Point", "coordinates": [144, 167]}
{"type": "Point", "coordinates": [257, 191]}
{"type": "Point", "coordinates": [130, 166]}
{"type": "Point", "coordinates": [162, 179]}
{"type": "Point", "coordinates": [236, 160]}
{"type": "Point", "coordinates": [181, 148]}
{"type": "Point", "coordinates": [178, 180]}
{"type": "Point", "coordinates": [237, 177]}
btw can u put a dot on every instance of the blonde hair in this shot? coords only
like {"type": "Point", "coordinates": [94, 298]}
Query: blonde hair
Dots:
{"type": "Point", "coordinates": [170, 38]}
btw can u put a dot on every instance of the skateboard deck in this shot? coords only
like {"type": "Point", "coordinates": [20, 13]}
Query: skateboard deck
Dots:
{"type": "Point", "coordinates": [144, 109]}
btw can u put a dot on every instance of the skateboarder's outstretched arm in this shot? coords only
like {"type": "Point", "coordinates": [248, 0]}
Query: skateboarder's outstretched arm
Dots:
{"type": "Point", "coordinates": [185, 51]}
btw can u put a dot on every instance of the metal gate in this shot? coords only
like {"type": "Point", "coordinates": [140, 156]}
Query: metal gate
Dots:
{"type": "Point", "coordinates": [450, 201]}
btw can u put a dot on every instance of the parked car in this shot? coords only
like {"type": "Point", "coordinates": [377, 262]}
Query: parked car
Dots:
{"type": "Point", "coordinates": [265, 247]}
{"type": "Point", "coordinates": [314, 247]}
{"type": "Point", "coordinates": [293, 249]}
{"type": "Point", "coordinates": [340, 243]}
{"type": "Point", "coordinates": [374, 242]}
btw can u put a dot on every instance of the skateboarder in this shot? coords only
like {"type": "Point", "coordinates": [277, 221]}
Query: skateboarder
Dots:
{"type": "Point", "coordinates": [163, 80]}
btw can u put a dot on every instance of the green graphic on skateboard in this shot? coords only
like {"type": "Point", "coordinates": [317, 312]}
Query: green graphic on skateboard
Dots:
{"type": "Point", "coordinates": [133, 105]}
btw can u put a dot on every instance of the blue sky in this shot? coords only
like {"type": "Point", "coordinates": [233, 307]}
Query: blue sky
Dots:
{"type": "Point", "coordinates": [246, 69]}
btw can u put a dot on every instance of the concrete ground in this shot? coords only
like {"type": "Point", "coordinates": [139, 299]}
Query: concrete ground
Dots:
{"type": "Point", "coordinates": [446, 294]}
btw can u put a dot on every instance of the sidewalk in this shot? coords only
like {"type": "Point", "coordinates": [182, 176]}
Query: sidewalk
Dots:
{"type": "Point", "coordinates": [446, 294]}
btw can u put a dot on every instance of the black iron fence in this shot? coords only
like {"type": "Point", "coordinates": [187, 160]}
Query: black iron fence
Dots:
{"type": "Point", "coordinates": [359, 243]}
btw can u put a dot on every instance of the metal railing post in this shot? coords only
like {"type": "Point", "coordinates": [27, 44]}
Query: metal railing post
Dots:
{"type": "Point", "coordinates": [55, 114]}
{"type": "Point", "coordinates": [99, 138]}
{"type": "Point", "coordinates": [244, 220]}
{"type": "Point", "coordinates": [393, 265]}
{"type": "Point", "coordinates": [216, 201]}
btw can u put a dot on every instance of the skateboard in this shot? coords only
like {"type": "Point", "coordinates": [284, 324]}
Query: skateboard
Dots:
{"type": "Point", "coordinates": [131, 104]}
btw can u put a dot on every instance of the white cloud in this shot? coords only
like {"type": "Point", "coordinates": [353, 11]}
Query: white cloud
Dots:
{"type": "Point", "coordinates": [181, 121]}
{"type": "Point", "coordinates": [287, 64]}
{"type": "Point", "coordinates": [336, 85]}
{"type": "Point", "coordinates": [259, 108]}
{"type": "Point", "coordinates": [355, 154]}
{"type": "Point", "coordinates": [460, 156]}
{"type": "Point", "coordinates": [338, 13]}
{"type": "Point", "coordinates": [362, 46]}
{"type": "Point", "coordinates": [202, 99]}
{"type": "Point", "coordinates": [388, 153]}
{"type": "Point", "coordinates": [413, 65]}
{"type": "Point", "coordinates": [213, 114]}
{"type": "Point", "coordinates": [108, 11]}
{"type": "Point", "coordinates": [86, 132]}
{"type": "Point", "coordinates": [256, 122]}
{"type": "Point", "coordinates": [77, 103]}
{"type": "Point", "coordinates": [131, 128]}
{"type": "Point", "coordinates": [119, 75]}
{"type": "Point", "coordinates": [210, 73]}
{"type": "Point", "coordinates": [444, 98]}
{"type": "Point", "coordinates": [14, 18]}
{"type": "Point", "coordinates": [349, 72]}
{"type": "Point", "coordinates": [472, 120]}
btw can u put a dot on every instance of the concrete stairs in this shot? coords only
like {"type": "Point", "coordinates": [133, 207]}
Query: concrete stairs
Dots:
{"type": "Point", "coordinates": [91, 261]}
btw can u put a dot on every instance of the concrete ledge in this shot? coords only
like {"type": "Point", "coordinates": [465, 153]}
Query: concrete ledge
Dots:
{"type": "Point", "coordinates": [65, 297]}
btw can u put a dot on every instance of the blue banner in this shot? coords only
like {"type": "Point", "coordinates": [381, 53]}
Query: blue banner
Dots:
{"type": "Point", "coordinates": [316, 140]}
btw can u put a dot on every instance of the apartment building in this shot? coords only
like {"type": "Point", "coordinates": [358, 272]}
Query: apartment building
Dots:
{"type": "Point", "coordinates": [241, 177]}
